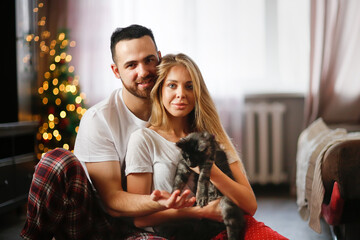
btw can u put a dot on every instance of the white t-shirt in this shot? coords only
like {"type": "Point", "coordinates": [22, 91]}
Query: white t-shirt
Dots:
{"type": "Point", "coordinates": [148, 152]}
{"type": "Point", "coordinates": [104, 131]}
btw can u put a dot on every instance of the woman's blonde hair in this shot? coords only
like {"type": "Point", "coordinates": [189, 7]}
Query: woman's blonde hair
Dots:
{"type": "Point", "coordinates": [204, 117]}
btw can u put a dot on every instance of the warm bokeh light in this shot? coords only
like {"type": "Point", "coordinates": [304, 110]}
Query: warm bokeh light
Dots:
{"type": "Point", "coordinates": [59, 92]}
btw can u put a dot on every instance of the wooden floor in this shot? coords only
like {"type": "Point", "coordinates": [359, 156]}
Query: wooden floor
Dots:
{"type": "Point", "coordinates": [281, 214]}
{"type": "Point", "coordinates": [276, 209]}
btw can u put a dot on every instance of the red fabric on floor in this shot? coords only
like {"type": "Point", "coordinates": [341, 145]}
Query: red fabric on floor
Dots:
{"type": "Point", "coordinates": [255, 231]}
{"type": "Point", "coordinates": [333, 211]}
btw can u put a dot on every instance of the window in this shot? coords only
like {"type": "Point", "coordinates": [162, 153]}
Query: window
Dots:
{"type": "Point", "coordinates": [240, 46]}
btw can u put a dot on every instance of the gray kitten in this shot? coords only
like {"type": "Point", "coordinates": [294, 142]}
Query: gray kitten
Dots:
{"type": "Point", "coordinates": [201, 149]}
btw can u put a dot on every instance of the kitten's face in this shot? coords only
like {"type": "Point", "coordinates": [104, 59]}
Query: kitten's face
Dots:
{"type": "Point", "coordinates": [195, 147]}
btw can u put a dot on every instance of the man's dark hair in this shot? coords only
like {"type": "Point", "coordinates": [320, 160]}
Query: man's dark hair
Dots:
{"type": "Point", "coordinates": [131, 32]}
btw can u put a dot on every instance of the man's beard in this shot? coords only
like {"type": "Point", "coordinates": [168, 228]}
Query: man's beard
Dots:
{"type": "Point", "coordinates": [145, 93]}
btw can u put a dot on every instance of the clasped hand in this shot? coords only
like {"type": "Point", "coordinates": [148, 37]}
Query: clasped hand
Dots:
{"type": "Point", "coordinates": [174, 200]}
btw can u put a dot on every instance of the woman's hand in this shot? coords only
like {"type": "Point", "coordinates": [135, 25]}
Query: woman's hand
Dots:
{"type": "Point", "coordinates": [212, 211]}
{"type": "Point", "coordinates": [174, 200]}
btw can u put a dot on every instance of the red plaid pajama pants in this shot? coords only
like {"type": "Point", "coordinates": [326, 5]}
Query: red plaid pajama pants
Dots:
{"type": "Point", "coordinates": [62, 204]}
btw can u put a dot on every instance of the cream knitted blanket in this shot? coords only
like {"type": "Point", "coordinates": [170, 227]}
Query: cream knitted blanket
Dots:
{"type": "Point", "coordinates": [312, 144]}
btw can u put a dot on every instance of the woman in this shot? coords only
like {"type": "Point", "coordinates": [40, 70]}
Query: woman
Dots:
{"type": "Point", "coordinates": [181, 105]}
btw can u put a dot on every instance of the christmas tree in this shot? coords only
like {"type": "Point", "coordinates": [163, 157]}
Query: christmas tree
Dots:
{"type": "Point", "coordinates": [62, 103]}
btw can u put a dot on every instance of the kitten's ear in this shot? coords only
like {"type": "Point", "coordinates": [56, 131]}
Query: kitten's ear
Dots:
{"type": "Point", "coordinates": [209, 135]}
{"type": "Point", "coordinates": [202, 146]}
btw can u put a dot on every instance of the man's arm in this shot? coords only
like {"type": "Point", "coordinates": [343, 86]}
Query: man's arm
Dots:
{"type": "Point", "coordinates": [211, 211]}
{"type": "Point", "coordinates": [141, 183]}
{"type": "Point", "coordinates": [106, 177]}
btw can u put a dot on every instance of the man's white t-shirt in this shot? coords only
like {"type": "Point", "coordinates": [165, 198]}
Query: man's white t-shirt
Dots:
{"type": "Point", "coordinates": [105, 130]}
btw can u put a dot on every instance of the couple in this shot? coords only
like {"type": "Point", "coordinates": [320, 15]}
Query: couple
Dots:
{"type": "Point", "coordinates": [71, 199]}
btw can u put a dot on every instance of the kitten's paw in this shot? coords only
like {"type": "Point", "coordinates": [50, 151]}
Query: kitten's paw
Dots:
{"type": "Point", "coordinates": [202, 202]}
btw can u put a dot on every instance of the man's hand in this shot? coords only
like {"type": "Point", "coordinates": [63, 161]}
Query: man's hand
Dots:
{"type": "Point", "coordinates": [174, 200]}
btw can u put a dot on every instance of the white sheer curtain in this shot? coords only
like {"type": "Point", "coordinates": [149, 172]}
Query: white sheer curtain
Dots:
{"type": "Point", "coordinates": [335, 54]}
{"type": "Point", "coordinates": [241, 46]}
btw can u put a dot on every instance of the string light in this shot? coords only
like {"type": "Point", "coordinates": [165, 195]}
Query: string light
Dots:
{"type": "Point", "coordinates": [51, 117]}
{"type": "Point", "coordinates": [62, 87]}
{"type": "Point", "coordinates": [78, 99]}
{"type": "Point", "coordinates": [58, 101]}
{"type": "Point", "coordinates": [56, 91]}
{"type": "Point", "coordinates": [47, 75]}
{"type": "Point", "coordinates": [45, 85]}
{"type": "Point", "coordinates": [68, 58]}
{"type": "Point", "coordinates": [63, 103]}
{"type": "Point", "coordinates": [56, 133]}
{"type": "Point", "coordinates": [61, 36]}
{"type": "Point", "coordinates": [62, 114]}
{"type": "Point", "coordinates": [45, 34]}
{"type": "Point", "coordinates": [29, 37]}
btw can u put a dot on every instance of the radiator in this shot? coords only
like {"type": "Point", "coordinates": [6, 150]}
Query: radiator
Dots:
{"type": "Point", "coordinates": [264, 151]}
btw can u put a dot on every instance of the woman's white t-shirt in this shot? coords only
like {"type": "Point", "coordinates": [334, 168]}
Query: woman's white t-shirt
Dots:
{"type": "Point", "coordinates": [148, 152]}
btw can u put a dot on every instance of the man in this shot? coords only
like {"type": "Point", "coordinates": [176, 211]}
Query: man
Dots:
{"type": "Point", "coordinates": [62, 199]}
